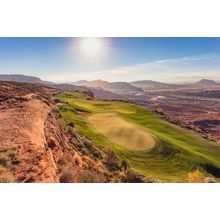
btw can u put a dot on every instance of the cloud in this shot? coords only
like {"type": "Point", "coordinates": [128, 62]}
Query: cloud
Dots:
{"type": "Point", "coordinates": [165, 68]}
{"type": "Point", "coordinates": [190, 59]}
{"type": "Point", "coordinates": [161, 70]}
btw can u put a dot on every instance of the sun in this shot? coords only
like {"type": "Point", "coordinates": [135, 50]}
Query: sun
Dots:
{"type": "Point", "coordinates": [91, 47]}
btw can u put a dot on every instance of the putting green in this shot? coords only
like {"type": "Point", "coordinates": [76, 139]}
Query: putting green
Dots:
{"type": "Point", "coordinates": [121, 132]}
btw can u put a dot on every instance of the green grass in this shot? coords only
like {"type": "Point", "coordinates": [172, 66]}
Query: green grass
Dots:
{"type": "Point", "coordinates": [176, 153]}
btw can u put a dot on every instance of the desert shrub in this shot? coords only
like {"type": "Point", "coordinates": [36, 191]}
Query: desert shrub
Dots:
{"type": "Point", "coordinates": [51, 143]}
{"type": "Point", "coordinates": [88, 144]}
{"type": "Point", "coordinates": [111, 160]}
{"type": "Point", "coordinates": [86, 176]}
{"type": "Point", "coordinates": [71, 124]}
{"type": "Point", "coordinates": [90, 148]}
{"type": "Point", "coordinates": [97, 154]}
{"type": "Point", "coordinates": [57, 101]}
{"type": "Point", "coordinates": [78, 144]}
{"type": "Point", "coordinates": [70, 130]}
{"type": "Point", "coordinates": [4, 150]}
{"type": "Point", "coordinates": [5, 175]}
{"type": "Point", "coordinates": [124, 165]}
{"type": "Point", "coordinates": [12, 155]}
{"type": "Point", "coordinates": [68, 175]}
{"type": "Point", "coordinates": [61, 122]}
{"type": "Point", "coordinates": [132, 176]}
{"type": "Point", "coordinates": [61, 108]}
{"type": "Point", "coordinates": [196, 176]}
{"type": "Point", "coordinates": [3, 159]}
{"type": "Point", "coordinates": [77, 161]}
{"type": "Point", "coordinates": [66, 160]}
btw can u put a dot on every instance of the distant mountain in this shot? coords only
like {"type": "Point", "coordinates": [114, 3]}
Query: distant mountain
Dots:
{"type": "Point", "coordinates": [191, 79]}
{"type": "Point", "coordinates": [118, 87]}
{"type": "Point", "coordinates": [149, 84]}
{"type": "Point", "coordinates": [106, 95]}
{"type": "Point", "coordinates": [206, 82]}
{"type": "Point", "coordinates": [81, 89]}
{"type": "Point", "coordinates": [22, 78]}
{"type": "Point", "coordinates": [153, 85]}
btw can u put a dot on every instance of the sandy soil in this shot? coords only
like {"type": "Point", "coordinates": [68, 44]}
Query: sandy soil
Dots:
{"type": "Point", "coordinates": [22, 127]}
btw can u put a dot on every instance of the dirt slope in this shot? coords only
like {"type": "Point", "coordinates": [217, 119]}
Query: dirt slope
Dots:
{"type": "Point", "coordinates": [23, 112]}
{"type": "Point", "coordinates": [23, 126]}
{"type": "Point", "coordinates": [33, 145]}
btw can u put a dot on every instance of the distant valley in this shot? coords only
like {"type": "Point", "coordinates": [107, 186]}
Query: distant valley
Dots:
{"type": "Point", "coordinates": [118, 87]}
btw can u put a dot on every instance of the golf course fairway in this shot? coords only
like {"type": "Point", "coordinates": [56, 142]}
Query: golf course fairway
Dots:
{"type": "Point", "coordinates": [150, 144]}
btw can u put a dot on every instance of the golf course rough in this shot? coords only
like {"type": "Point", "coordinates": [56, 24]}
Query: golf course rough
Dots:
{"type": "Point", "coordinates": [151, 145]}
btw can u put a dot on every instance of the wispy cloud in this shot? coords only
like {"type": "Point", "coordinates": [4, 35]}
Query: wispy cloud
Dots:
{"type": "Point", "coordinates": [191, 59]}
{"type": "Point", "coordinates": [204, 65]}
{"type": "Point", "coordinates": [164, 69]}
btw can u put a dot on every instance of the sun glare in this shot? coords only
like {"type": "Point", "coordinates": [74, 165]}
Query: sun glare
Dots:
{"type": "Point", "coordinates": [91, 47]}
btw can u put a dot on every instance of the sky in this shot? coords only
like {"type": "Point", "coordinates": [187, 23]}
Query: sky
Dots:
{"type": "Point", "coordinates": [112, 59]}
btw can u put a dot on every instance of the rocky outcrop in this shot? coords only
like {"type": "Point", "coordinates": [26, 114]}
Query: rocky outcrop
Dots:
{"type": "Point", "coordinates": [22, 117]}
{"type": "Point", "coordinates": [35, 147]}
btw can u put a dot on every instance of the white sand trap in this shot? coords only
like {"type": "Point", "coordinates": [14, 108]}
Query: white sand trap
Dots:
{"type": "Point", "coordinates": [121, 132]}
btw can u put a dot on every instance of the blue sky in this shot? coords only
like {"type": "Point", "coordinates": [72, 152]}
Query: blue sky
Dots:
{"type": "Point", "coordinates": [122, 59]}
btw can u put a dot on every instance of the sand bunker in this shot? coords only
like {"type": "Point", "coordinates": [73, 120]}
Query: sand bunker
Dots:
{"type": "Point", "coordinates": [121, 132]}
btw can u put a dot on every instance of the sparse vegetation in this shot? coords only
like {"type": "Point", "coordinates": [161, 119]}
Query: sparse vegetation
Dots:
{"type": "Point", "coordinates": [111, 160]}
{"type": "Point", "coordinates": [132, 177]}
{"type": "Point", "coordinates": [8, 156]}
{"type": "Point", "coordinates": [69, 130]}
{"type": "Point", "coordinates": [86, 176]}
{"type": "Point", "coordinates": [71, 174]}
{"type": "Point", "coordinates": [5, 175]}
{"type": "Point", "coordinates": [71, 124]}
{"type": "Point", "coordinates": [68, 176]}
{"type": "Point", "coordinates": [3, 159]}
{"type": "Point", "coordinates": [124, 165]}
{"type": "Point", "coordinates": [91, 148]}
{"type": "Point", "coordinates": [67, 160]}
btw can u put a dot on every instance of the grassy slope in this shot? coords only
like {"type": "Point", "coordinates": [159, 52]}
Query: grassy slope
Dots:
{"type": "Point", "coordinates": [176, 153]}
